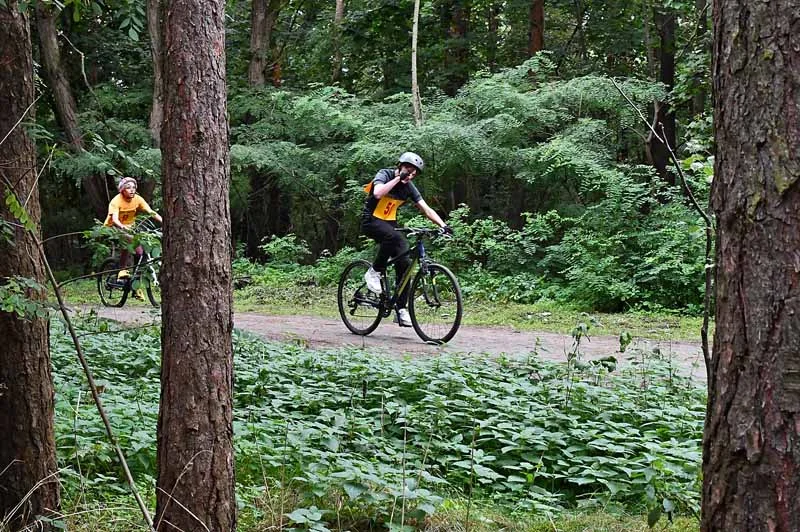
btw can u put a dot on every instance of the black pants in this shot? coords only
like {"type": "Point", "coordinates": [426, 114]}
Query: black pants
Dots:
{"type": "Point", "coordinates": [391, 244]}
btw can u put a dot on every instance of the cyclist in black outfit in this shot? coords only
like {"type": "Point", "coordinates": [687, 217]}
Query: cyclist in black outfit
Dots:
{"type": "Point", "coordinates": [390, 188]}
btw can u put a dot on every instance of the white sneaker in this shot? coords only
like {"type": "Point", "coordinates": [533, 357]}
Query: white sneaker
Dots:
{"type": "Point", "coordinates": [403, 317]}
{"type": "Point", "coordinates": [373, 280]}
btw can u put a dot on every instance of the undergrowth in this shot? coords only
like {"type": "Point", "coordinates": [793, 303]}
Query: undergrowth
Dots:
{"type": "Point", "coordinates": [342, 439]}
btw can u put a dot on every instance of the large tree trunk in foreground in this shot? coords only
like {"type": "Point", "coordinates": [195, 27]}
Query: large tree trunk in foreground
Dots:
{"type": "Point", "coordinates": [27, 445]}
{"type": "Point", "coordinates": [751, 448]}
{"type": "Point", "coordinates": [195, 425]}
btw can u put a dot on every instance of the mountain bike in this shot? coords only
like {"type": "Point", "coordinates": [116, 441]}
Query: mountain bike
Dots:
{"type": "Point", "coordinates": [145, 276]}
{"type": "Point", "coordinates": [434, 301]}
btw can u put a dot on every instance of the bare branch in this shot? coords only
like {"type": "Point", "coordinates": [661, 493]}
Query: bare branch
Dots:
{"type": "Point", "coordinates": [709, 223]}
{"type": "Point", "coordinates": [21, 118]}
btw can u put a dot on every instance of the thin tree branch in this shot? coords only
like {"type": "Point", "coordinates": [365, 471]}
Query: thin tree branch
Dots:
{"type": "Point", "coordinates": [21, 118]}
{"type": "Point", "coordinates": [90, 378]}
{"type": "Point", "coordinates": [709, 223]}
{"type": "Point", "coordinates": [36, 181]}
{"type": "Point", "coordinates": [95, 394]}
{"type": "Point", "coordinates": [691, 40]}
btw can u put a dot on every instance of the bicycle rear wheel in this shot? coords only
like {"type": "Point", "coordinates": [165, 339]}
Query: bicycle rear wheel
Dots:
{"type": "Point", "coordinates": [435, 304]}
{"type": "Point", "coordinates": [360, 309]}
{"type": "Point", "coordinates": [113, 292]}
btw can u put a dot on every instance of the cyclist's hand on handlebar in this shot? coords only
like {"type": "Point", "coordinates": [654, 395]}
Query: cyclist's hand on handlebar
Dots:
{"type": "Point", "coordinates": [447, 230]}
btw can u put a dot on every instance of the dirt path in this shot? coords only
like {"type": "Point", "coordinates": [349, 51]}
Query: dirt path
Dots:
{"type": "Point", "coordinates": [391, 339]}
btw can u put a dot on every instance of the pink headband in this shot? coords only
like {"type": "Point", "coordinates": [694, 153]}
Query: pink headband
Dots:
{"type": "Point", "coordinates": [124, 181]}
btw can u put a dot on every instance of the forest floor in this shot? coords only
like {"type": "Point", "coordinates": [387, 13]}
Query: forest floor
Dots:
{"type": "Point", "coordinates": [391, 340]}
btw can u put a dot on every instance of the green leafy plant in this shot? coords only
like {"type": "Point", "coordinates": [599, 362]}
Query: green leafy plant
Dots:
{"type": "Point", "coordinates": [363, 437]}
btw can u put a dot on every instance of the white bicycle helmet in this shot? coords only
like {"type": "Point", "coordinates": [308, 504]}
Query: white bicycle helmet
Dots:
{"type": "Point", "coordinates": [413, 159]}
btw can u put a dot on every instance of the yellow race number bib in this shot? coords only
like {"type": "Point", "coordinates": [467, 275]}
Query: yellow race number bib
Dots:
{"type": "Point", "coordinates": [387, 208]}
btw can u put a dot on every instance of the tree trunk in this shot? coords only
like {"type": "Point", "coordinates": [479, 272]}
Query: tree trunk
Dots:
{"type": "Point", "coordinates": [416, 101]}
{"type": "Point", "coordinates": [27, 452]}
{"type": "Point", "coordinates": [580, 38]}
{"type": "Point", "coordinates": [154, 28]}
{"type": "Point", "coordinates": [338, 18]}
{"type": "Point", "coordinates": [665, 20]}
{"type": "Point", "coordinates": [66, 109]}
{"type": "Point", "coordinates": [650, 51]}
{"type": "Point", "coordinates": [195, 430]}
{"type": "Point", "coordinates": [751, 445]}
{"type": "Point", "coordinates": [698, 83]}
{"type": "Point", "coordinates": [258, 50]}
{"type": "Point", "coordinates": [457, 14]}
{"type": "Point", "coordinates": [263, 18]}
{"type": "Point", "coordinates": [493, 37]}
{"type": "Point", "coordinates": [536, 28]}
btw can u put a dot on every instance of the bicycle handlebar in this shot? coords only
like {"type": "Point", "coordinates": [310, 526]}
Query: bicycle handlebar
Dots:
{"type": "Point", "coordinates": [423, 232]}
{"type": "Point", "coordinates": [146, 225]}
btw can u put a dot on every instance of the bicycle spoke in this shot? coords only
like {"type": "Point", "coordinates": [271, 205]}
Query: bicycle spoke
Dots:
{"type": "Point", "coordinates": [435, 304]}
{"type": "Point", "coordinates": [151, 279]}
{"type": "Point", "coordinates": [113, 292]}
{"type": "Point", "coordinates": [360, 309]}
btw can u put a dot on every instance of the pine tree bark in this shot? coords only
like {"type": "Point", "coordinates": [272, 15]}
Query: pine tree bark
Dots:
{"type": "Point", "coordinates": [536, 28]}
{"type": "Point", "coordinates": [27, 452]}
{"type": "Point", "coordinates": [751, 446]}
{"type": "Point", "coordinates": [195, 430]}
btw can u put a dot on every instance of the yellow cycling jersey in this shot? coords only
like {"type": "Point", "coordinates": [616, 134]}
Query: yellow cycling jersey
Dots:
{"type": "Point", "coordinates": [126, 209]}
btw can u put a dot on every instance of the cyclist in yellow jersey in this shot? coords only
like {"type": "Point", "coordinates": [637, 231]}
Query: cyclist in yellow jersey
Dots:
{"type": "Point", "coordinates": [390, 188]}
{"type": "Point", "coordinates": [122, 211]}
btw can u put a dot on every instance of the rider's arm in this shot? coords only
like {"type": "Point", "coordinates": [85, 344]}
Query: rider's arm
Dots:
{"type": "Point", "coordinates": [146, 208]}
{"type": "Point", "coordinates": [116, 223]}
{"type": "Point", "coordinates": [429, 213]}
{"type": "Point", "coordinates": [381, 188]}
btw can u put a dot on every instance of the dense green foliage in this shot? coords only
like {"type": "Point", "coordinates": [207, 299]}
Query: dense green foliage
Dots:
{"type": "Point", "coordinates": [391, 439]}
{"type": "Point", "coordinates": [542, 152]}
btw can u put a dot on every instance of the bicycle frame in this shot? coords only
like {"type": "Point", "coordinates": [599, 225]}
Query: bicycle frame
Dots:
{"type": "Point", "coordinates": [139, 265]}
{"type": "Point", "coordinates": [418, 258]}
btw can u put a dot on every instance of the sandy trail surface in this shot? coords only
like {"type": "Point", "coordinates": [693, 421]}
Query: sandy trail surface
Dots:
{"type": "Point", "coordinates": [390, 339]}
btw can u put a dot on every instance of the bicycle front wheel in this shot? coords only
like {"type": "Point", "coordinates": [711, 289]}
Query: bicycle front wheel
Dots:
{"type": "Point", "coordinates": [151, 279]}
{"type": "Point", "coordinates": [435, 304]}
{"type": "Point", "coordinates": [113, 292]}
{"type": "Point", "coordinates": [360, 309]}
